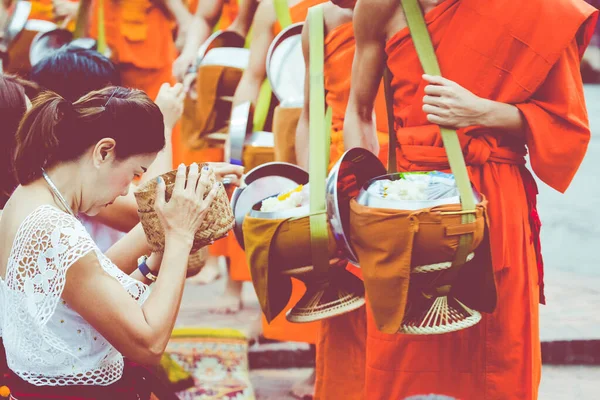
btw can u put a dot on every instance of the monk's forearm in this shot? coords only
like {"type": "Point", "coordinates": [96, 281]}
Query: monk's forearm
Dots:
{"type": "Point", "coordinates": [248, 89]}
{"type": "Point", "coordinates": [178, 9]}
{"type": "Point", "coordinates": [198, 32]}
{"type": "Point", "coordinates": [359, 130]}
{"type": "Point", "coordinates": [502, 116]}
{"type": "Point", "coordinates": [302, 141]}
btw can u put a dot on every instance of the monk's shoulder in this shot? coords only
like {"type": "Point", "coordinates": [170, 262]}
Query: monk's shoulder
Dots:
{"type": "Point", "coordinates": [335, 16]}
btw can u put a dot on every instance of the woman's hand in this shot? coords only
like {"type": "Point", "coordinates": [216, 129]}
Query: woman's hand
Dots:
{"type": "Point", "coordinates": [182, 216]}
{"type": "Point", "coordinates": [233, 173]}
{"type": "Point", "coordinates": [448, 104]}
{"type": "Point", "coordinates": [170, 101]}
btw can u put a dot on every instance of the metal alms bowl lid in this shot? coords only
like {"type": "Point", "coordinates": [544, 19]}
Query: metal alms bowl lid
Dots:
{"type": "Point", "coordinates": [14, 22]}
{"type": "Point", "coordinates": [47, 42]}
{"type": "Point", "coordinates": [285, 65]}
{"type": "Point", "coordinates": [260, 183]}
{"type": "Point", "coordinates": [220, 39]}
{"type": "Point", "coordinates": [344, 182]}
{"type": "Point", "coordinates": [240, 126]}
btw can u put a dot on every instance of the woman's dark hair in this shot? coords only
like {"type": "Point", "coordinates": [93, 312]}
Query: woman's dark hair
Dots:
{"type": "Point", "coordinates": [56, 130]}
{"type": "Point", "coordinates": [73, 72]}
{"type": "Point", "coordinates": [12, 108]}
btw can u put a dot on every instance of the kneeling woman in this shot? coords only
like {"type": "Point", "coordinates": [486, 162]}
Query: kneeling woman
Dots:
{"type": "Point", "coordinates": [68, 315]}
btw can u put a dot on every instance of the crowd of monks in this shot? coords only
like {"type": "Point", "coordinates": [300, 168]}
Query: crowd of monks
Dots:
{"type": "Point", "coordinates": [502, 50]}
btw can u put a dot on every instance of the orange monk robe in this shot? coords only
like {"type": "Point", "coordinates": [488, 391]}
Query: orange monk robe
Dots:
{"type": "Point", "coordinates": [521, 53]}
{"type": "Point", "coordinates": [342, 340]}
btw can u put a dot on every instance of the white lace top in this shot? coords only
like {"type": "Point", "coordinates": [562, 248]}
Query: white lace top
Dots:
{"type": "Point", "coordinates": [46, 342]}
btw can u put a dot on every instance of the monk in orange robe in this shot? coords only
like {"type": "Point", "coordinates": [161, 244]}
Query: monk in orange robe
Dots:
{"type": "Point", "coordinates": [512, 84]}
{"type": "Point", "coordinates": [140, 35]}
{"type": "Point", "coordinates": [342, 339]}
{"type": "Point", "coordinates": [227, 14]}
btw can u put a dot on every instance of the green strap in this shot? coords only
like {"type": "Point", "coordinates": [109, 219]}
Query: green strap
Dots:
{"type": "Point", "coordinates": [282, 11]}
{"type": "Point", "coordinates": [101, 41]}
{"type": "Point", "coordinates": [429, 62]}
{"type": "Point", "coordinates": [263, 104]}
{"type": "Point", "coordinates": [319, 233]}
{"type": "Point", "coordinates": [328, 123]}
{"type": "Point", "coordinates": [426, 53]}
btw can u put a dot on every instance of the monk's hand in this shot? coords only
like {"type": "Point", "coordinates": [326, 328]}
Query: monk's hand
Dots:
{"type": "Point", "coordinates": [65, 9]}
{"type": "Point", "coordinates": [448, 104]}
{"type": "Point", "coordinates": [170, 101]}
{"type": "Point", "coordinates": [189, 85]}
{"type": "Point", "coordinates": [182, 64]}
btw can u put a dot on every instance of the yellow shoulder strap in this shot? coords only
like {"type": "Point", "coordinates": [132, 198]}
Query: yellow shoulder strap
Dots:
{"type": "Point", "coordinates": [282, 10]}
{"type": "Point", "coordinates": [318, 132]}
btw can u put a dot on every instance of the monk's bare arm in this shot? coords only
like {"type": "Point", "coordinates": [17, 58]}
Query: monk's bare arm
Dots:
{"type": "Point", "coordinates": [178, 9]}
{"type": "Point", "coordinates": [243, 21]}
{"type": "Point", "coordinates": [202, 23]}
{"type": "Point", "coordinates": [262, 36]}
{"type": "Point", "coordinates": [371, 18]}
{"type": "Point", "coordinates": [302, 130]}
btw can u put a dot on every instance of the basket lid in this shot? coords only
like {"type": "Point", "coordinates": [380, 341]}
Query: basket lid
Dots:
{"type": "Point", "coordinates": [263, 181]}
{"type": "Point", "coordinates": [285, 65]}
{"type": "Point", "coordinates": [344, 182]}
{"type": "Point", "coordinates": [14, 22]}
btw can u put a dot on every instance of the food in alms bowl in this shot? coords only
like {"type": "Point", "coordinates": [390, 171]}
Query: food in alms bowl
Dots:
{"type": "Point", "coordinates": [294, 198]}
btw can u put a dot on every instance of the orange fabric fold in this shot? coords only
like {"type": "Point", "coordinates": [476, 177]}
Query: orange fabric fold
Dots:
{"type": "Point", "coordinates": [212, 113]}
{"type": "Point", "coordinates": [525, 54]}
{"type": "Point", "coordinates": [285, 121]}
{"type": "Point", "coordinates": [389, 242]}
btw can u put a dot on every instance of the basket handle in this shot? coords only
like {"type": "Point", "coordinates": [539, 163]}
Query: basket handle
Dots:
{"type": "Point", "coordinates": [319, 133]}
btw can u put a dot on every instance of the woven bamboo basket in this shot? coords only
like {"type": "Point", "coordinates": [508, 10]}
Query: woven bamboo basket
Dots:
{"type": "Point", "coordinates": [217, 223]}
{"type": "Point", "coordinates": [196, 262]}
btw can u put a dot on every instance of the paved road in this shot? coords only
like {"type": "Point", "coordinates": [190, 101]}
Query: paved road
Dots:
{"type": "Point", "coordinates": [571, 245]}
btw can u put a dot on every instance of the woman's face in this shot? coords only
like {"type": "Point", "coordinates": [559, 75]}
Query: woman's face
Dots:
{"type": "Point", "coordinates": [110, 177]}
